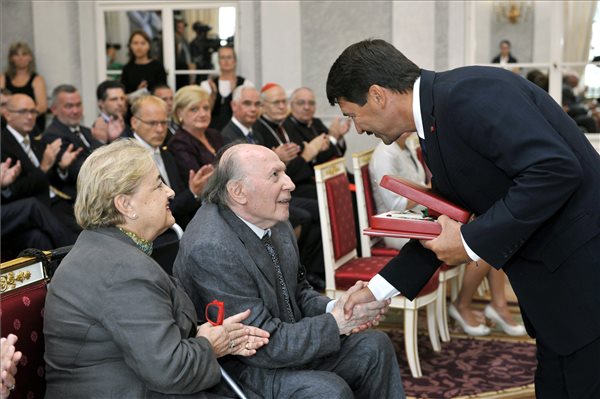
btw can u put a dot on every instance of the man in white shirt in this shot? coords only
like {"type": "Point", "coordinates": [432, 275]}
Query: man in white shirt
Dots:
{"type": "Point", "coordinates": [245, 105]}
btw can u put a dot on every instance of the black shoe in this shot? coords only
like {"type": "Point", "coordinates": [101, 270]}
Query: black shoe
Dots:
{"type": "Point", "coordinates": [317, 282]}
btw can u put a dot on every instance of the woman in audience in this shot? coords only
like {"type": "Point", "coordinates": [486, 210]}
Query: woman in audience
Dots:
{"type": "Point", "coordinates": [400, 159]}
{"type": "Point", "coordinates": [20, 77]}
{"type": "Point", "coordinates": [142, 72]}
{"type": "Point", "coordinates": [116, 325]}
{"type": "Point", "coordinates": [194, 144]}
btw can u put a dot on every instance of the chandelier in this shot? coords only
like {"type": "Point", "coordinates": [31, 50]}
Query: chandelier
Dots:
{"type": "Point", "coordinates": [512, 11]}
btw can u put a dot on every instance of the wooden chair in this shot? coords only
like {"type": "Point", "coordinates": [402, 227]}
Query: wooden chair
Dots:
{"type": "Point", "coordinates": [343, 268]}
{"type": "Point", "coordinates": [374, 245]}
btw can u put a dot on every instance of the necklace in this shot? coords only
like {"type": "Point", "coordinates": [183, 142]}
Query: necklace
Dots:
{"type": "Point", "coordinates": [144, 245]}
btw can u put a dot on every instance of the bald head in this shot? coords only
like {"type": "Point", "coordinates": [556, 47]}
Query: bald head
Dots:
{"type": "Point", "coordinates": [303, 104]}
{"type": "Point", "coordinates": [21, 113]}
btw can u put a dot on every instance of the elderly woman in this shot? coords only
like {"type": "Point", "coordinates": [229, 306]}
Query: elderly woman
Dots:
{"type": "Point", "coordinates": [116, 325]}
{"type": "Point", "coordinates": [194, 144]}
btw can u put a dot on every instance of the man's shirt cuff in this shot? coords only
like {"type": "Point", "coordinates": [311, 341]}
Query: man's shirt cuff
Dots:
{"type": "Point", "coordinates": [381, 289]}
{"type": "Point", "coordinates": [470, 252]}
{"type": "Point", "coordinates": [330, 306]}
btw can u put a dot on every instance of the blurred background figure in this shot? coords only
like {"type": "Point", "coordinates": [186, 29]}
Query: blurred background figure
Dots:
{"type": "Point", "coordinates": [142, 72]}
{"type": "Point", "coordinates": [183, 54]}
{"type": "Point", "coordinates": [505, 56]}
{"type": "Point", "coordinates": [112, 52]}
{"type": "Point", "coordinates": [21, 77]}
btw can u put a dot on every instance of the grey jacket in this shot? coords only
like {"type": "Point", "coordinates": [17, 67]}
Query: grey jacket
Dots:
{"type": "Point", "coordinates": [220, 257]}
{"type": "Point", "coordinates": [117, 326]}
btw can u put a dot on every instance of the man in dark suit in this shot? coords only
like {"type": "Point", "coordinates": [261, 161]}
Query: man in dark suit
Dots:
{"type": "Point", "coordinates": [303, 127]}
{"type": "Point", "coordinates": [245, 105]}
{"type": "Point", "coordinates": [240, 249]}
{"type": "Point", "coordinates": [66, 126]}
{"type": "Point", "coordinates": [44, 173]}
{"type": "Point", "coordinates": [149, 123]}
{"type": "Point", "coordinates": [502, 148]}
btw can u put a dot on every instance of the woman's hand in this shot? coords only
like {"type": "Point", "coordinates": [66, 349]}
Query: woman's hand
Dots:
{"type": "Point", "coordinates": [233, 337]}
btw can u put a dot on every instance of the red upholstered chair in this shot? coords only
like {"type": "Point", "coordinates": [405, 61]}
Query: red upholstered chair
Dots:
{"type": "Point", "coordinates": [343, 268]}
{"type": "Point", "coordinates": [374, 245]}
{"type": "Point", "coordinates": [23, 288]}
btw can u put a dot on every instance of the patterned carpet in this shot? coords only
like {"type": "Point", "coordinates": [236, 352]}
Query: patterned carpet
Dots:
{"type": "Point", "coordinates": [469, 368]}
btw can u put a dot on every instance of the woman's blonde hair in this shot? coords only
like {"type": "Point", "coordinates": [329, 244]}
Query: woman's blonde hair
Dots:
{"type": "Point", "coordinates": [117, 168]}
{"type": "Point", "coordinates": [14, 49]}
{"type": "Point", "coordinates": [187, 96]}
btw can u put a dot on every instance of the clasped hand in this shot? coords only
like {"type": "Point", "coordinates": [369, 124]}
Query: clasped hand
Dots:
{"type": "Point", "coordinates": [233, 337]}
{"type": "Point", "coordinates": [363, 314]}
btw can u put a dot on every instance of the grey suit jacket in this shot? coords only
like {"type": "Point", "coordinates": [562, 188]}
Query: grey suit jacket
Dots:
{"type": "Point", "coordinates": [117, 326]}
{"type": "Point", "coordinates": [220, 257]}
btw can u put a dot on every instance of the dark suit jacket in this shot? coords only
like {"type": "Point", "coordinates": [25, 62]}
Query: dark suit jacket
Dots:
{"type": "Point", "coordinates": [300, 132]}
{"type": "Point", "coordinates": [231, 132]}
{"type": "Point", "coordinates": [511, 59]}
{"type": "Point", "coordinates": [190, 153]}
{"type": "Point", "coordinates": [32, 182]}
{"type": "Point", "coordinates": [62, 131]}
{"type": "Point", "coordinates": [220, 257]}
{"type": "Point", "coordinates": [297, 169]}
{"type": "Point", "coordinates": [501, 147]}
{"type": "Point", "coordinates": [117, 326]}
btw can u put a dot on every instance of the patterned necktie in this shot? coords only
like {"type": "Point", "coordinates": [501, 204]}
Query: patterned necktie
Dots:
{"type": "Point", "coordinates": [266, 240]}
{"type": "Point", "coordinates": [77, 131]}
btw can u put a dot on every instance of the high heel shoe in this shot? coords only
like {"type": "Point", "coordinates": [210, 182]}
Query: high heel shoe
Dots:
{"type": "Point", "coordinates": [514, 331]}
{"type": "Point", "coordinates": [475, 331]}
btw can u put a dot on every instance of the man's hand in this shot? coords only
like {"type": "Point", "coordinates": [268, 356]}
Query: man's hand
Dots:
{"type": "Point", "coordinates": [364, 315]}
{"type": "Point", "coordinates": [448, 246]}
{"type": "Point", "coordinates": [50, 153]}
{"type": "Point", "coordinates": [9, 174]}
{"type": "Point", "coordinates": [10, 357]}
{"type": "Point", "coordinates": [198, 179]}
{"type": "Point", "coordinates": [364, 295]}
{"type": "Point", "coordinates": [286, 152]}
{"type": "Point", "coordinates": [316, 145]}
{"type": "Point", "coordinates": [339, 128]}
{"type": "Point", "coordinates": [116, 127]}
{"type": "Point", "coordinates": [69, 156]}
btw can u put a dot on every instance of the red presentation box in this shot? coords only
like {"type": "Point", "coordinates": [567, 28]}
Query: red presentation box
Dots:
{"type": "Point", "coordinates": [409, 224]}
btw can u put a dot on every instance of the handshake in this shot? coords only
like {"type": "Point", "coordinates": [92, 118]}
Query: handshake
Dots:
{"type": "Point", "coordinates": [358, 310]}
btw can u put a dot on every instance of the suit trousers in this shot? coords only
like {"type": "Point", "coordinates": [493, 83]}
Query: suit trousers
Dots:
{"type": "Point", "coordinates": [574, 376]}
{"type": "Point", "coordinates": [365, 367]}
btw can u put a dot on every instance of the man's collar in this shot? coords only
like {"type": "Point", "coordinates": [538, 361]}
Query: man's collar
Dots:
{"type": "Point", "coordinates": [239, 124]}
{"type": "Point", "coordinates": [18, 136]}
{"type": "Point", "coordinates": [143, 142]}
{"type": "Point", "coordinates": [59, 122]}
{"type": "Point", "coordinates": [257, 230]}
{"type": "Point", "coordinates": [417, 108]}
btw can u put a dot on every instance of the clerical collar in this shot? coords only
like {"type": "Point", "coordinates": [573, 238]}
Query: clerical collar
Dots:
{"type": "Point", "coordinates": [417, 108]}
{"type": "Point", "coordinates": [299, 122]}
{"type": "Point", "coordinates": [270, 122]}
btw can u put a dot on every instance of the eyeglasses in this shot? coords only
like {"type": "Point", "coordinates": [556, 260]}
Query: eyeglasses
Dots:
{"type": "Point", "coordinates": [277, 102]}
{"type": "Point", "coordinates": [249, 103]}
{"type": "Point", "coordinates": [23, 112]}
{"type": "Point", "coordinates": [153, 124]}
{"type": "Point", "coordinates": [302, 103]}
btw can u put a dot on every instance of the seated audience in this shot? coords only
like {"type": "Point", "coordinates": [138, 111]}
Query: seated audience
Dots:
{"type": "Point", "coordinates": [142, 72]}
{"type": "Point", "coordinates": [26, 222]}
{"type": "Point", "coordinates": [115, 324]}
{"type": "Point", "coordinates": [575, 105]}
{"type": "Point", "coordinates": [245, 105]}
{"type": "Point", "coordinates": [241, 249]}
{"type": "Point", "coordinates": [21, 77]}
{"type": "Point", "coordinates": [400, 159]}
{"type": "Point", "coordinates": [112, 103]}
{"type": "Point", "coordinates": [302, 126]}
{"type": "Point", "coordinates": [221, 87]}
{"type": "Point", "coordinates": [44, 172]}
{"type": "Point", "coordinates": [165, 93]}
{"type": "Point", "coordinates": [66, 125]}
{"type": "Point", "coordinates": [195, 144]}
{"type": "Point", "coordinates": [9, 360]}
{"type": "Point", "coordinates": [149, 123]}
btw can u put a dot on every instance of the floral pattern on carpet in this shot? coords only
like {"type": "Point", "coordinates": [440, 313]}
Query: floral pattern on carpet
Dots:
{"type": "Point", "coordinates": [467, 366]}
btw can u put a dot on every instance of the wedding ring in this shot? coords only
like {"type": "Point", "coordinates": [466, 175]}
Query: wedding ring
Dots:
{"type": "Point", "coordinates": [247, 346]}
{"type": "Point", "coordinates": [231, 344]}
{"type": "Point", "coordinates": [12, 387]}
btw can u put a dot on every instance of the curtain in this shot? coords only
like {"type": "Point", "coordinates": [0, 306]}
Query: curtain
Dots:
{"type": "Point", "coordinates": [578, 19]}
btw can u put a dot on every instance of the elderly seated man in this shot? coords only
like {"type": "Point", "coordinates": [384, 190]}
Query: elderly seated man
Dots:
{"type": "Point", "coordinates": [240, 249]}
